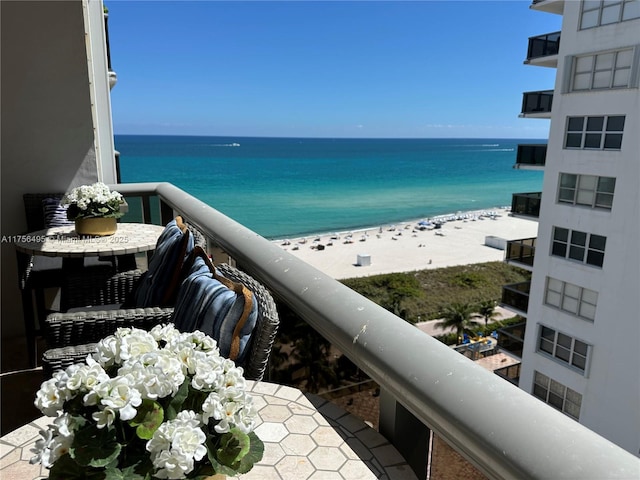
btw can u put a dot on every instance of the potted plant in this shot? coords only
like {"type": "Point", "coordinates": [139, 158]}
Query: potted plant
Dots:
{"type": "Point", "coordinates": [149, 405]}
{"type": "Point", "coordinates": [94, 208]}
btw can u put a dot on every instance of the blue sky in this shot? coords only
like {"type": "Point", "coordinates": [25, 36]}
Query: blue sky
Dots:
{"type": "Point", "coordinates": [415, 69]}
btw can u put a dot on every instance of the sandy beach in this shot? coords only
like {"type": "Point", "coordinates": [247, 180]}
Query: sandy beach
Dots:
{"type": "Point", "coordinates": [409, 246]}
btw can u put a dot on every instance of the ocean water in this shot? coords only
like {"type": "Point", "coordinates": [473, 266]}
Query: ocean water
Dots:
{"type": "Point", "coordinates": [286, 187]}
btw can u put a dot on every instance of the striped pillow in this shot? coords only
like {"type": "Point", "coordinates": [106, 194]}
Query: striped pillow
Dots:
{"type": "Point", "coordinates": [159, 285]}
{"type": "Point", "coordinates": [222, 309]}
{"type": "Point", "coordinates": [54, 214]}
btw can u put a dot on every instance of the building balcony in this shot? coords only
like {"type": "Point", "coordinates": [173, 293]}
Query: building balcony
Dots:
{"type": "Point", "coordinates": [510, 373]}
{"type": "Point", "coordinates": [537, 104]}
{"type": "Point", "coordinates": [511, 339]}
{"type": "Point", "coordinates": [526, 204]}
{"type": "Point", "coordinates": [521, 252]}
{"type": "Point", "coordinates": [549, 6]}
{"type": "Point", "coordinates": [424, 384]}
{"type": "Point", "coordinates": [515, 296]}
{"type": "Point", "coordinates": [543, 50]}
{"type": "Point", "coordinates": [531, 156]}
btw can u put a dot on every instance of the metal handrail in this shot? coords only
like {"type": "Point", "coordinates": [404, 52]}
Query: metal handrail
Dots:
{"type": "Point", "coordinates": [475, 411]}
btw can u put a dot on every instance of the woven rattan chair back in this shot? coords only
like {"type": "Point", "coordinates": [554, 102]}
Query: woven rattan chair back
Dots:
{"type": "Point", "coordinates": [72, 335]}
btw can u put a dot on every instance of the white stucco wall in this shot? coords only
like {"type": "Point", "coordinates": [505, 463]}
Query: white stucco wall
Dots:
{"type": "Point", "coordinates": [47, 135]}
{"type": "Point", "coordinates": [611, 388]}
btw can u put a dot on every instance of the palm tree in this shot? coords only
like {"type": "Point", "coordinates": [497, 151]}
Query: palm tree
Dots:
{"type": "Point", "coordinates": [487, 310]}
{"type": "Point", "coordinates": [458, 316]}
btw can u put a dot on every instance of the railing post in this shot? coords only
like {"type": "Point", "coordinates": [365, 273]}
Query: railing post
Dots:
{"type": "Point", "coordinates": [166, 212]}
{"type": "Point", "coordinates": [408, 434]}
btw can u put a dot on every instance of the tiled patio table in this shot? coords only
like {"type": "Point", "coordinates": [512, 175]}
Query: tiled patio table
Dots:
{"type": "Point", "coordinates": [64, 242]}
{"type": "Point", "coordinates": [305, 437]}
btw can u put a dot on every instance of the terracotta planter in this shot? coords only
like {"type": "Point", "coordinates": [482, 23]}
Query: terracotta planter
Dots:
{"type": "Point", "coordinates": [96, 226]}
{"type": "Point", "coordinates": [217, 476]}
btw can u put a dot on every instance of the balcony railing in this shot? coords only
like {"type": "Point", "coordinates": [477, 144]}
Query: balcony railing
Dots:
{"type": "Point", "coordinates": [516, 296]}
{"type": "Point", "coordinates": [424, 383]}
{"type": "Point", "coordinates": [511, 338]}
{"type": "Point", "coordinates": [531, 155]}
{"type": "Point", "coordinates": [526, 204]}
{"type": "Point", "coordinates": [510, 373]}
{"type": "Point", "coordinates": [521, 252]}
{"type": "Point", "coordinates": [543, 46]}
{"type": "Point", "coordinates": [537, 103]}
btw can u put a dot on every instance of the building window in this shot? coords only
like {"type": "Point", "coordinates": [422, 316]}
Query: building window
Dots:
{"type": "Point", "coordinates": [595, 133]}
{"type": "Point", "coordinates": [563, 347]}
{"type": "Point", "coordinates": [604, 12]}
{"type": "Point", "coordinates": [588, 190]}
{"type": "Point", "coordinates": [602, 71]}
{"type": "Point", "coordinates": [571, 298]}
{"type": "Point", "coordinates": [557, 395]}
{"type": "Point", "coordinates": [580, 246]}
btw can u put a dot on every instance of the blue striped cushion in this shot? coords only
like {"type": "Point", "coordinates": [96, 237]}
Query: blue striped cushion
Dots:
{"type": "Point", "coordinates": [206, 304]}
{"type": "Point", "coordinates": [158, 287]}
{"type": "Point", "coordinates": [54, 214]}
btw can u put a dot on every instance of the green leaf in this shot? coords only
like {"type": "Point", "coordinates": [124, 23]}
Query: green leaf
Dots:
{"type": "Point", "coordinates": [233, 446]}
{"type": "Point", "coordinates": [175, 406]}
{"type": "Point", "coordinates": [95, 447]}
{"type": "Point", "coordinates": [253, 456]}
{"type": "Point", "coordinates": [65, 468]}
{"type": "Point", "coordinates": [149, 417]}
{"type": "Point", "coordinates": [127, 473]}
{"type": "Point", "coordinates": [245, 459]}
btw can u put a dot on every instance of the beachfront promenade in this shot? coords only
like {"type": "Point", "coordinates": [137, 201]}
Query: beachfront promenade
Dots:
{"type": "Point", "coordinates": [403, 247]}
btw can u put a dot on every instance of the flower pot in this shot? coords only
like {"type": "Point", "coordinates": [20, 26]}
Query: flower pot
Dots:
{"type": "Point", "coordinates": [96, 226]}
{"type": "Point", "coordinates": [217, 476]}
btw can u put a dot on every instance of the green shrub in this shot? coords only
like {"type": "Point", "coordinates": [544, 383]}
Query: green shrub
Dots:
{"type": "Point", "coordinates": [438, 288]}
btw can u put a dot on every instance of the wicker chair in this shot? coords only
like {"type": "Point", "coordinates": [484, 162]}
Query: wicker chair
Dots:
{"type": "Point", "coordinates": [37, 273]}
{"type": "Point", "coordinates": [71, 336]}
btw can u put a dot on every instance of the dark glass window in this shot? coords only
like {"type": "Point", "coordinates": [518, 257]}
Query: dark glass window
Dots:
{"type": "Point", "coordinates": [595, 124]}
{"type": "Point", "coordinates": [597, 132]}
{"type": "Point", "coordinates": [615, 124]}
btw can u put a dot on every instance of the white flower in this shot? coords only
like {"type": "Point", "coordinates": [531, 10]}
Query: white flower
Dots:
{"type": "Point", "coordinates": [107, 351]}
{"type": "Point", "coordinates": [104, 417]}
{"type": "Point", "coordinates": [93, 201]}
{"type": "Point", "coordinates": [176, 445]}
{"type": "Point", "coordinates": [156, 374]}
{"type": "Point", "coordinates": [208, 372]}
{"type": "Point", "coordinates": [172, 464]}
{"type": "Point", "coordinates": [42, 449]}
{"type": "Point", "coordinates": [124, 344]}
{"type": "Point", "coordinates": [52, 394]}
{"type": "Point", "coordinates": [120, 395]}
{"type": "Point", "coordinates": [85, 376]}
{"type": "Point", "coordinates": [55, 441]}
{"type": "Point", "coordinates": [133, 365]}
{"type": "Point", "coordinates": [166, 333]}
{"type": "Point", "coordinates": [134, 343]}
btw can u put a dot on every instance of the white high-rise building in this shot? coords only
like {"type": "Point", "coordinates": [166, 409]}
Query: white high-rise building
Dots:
{"type": "Point", "coordinates": [581, 350]}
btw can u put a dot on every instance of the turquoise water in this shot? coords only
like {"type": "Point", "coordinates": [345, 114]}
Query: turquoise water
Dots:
{"type": "Point", "coordinates": [283, 187]}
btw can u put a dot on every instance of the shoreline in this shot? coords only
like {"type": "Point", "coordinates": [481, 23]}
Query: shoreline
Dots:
{"type": "Point", "coordinates": [460, 239]}
{"type": "Point", "coordinates": [501, 211]}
